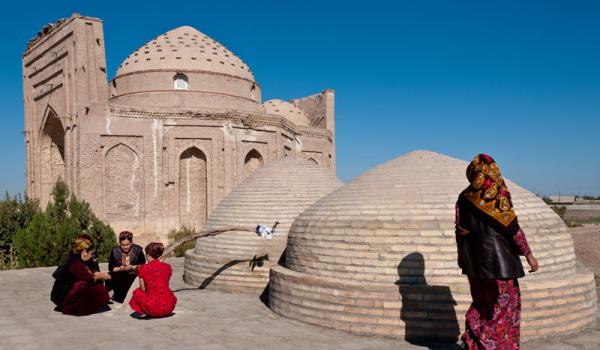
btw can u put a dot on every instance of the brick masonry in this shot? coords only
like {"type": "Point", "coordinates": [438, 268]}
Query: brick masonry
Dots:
{"type": "Point", "coordinates": [279, 191]}
{"type": "Point", "coordinates": [158, 146]}
{"type": "Point", "coordinates": [378, 256]}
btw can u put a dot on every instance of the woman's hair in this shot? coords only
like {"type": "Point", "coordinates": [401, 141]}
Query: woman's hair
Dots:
{"type": "Point", "coordinates": [125, 235]}
{"type": "Point", "coordinates": [155, 249]}
{"type": "Point", "coordinates": [82, 242]}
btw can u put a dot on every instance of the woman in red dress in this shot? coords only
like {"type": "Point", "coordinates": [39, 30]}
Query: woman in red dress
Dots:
{"type": "Point", "coordinates": [78, 288]}
{"type": "Point", "coordinates": [153, 298]}
{"type": "Point", "coordinates": [489, 244]}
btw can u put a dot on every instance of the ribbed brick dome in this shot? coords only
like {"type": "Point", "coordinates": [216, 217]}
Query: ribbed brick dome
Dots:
{"type": "Point", "coordinates": [378, 256]}
{"type": "Point", "coordinates": [363, 230]}
{"type": "Point", "coordinates": [278, 191]}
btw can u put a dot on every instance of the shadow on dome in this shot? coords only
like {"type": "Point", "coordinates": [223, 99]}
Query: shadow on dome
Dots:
{"type": "Point", "coordinates": [427, 311]}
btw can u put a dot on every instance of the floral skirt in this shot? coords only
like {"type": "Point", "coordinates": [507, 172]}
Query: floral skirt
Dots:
{"type": "Point", "coordinates": [493, 320]}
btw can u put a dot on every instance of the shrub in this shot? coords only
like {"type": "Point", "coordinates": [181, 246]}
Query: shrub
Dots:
{"type": "Point", "coordinates": [175, 235]}
{"type": "Point", "coordinates": [15, 214]}
{"type": "Point", "coordinates": [49, 236]}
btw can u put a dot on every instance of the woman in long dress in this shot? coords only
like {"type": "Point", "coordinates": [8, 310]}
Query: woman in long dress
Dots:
{"type": "Point", "coordinates": [122, 264]}
{"type": "Point", "coordinates": [78, 289]}
{"type": "Point", "coordinates": [490, 241]}
{"type": "Point", "coordinates": [153, 298]}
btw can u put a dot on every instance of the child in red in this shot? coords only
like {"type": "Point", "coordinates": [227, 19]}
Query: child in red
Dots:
{"type": "Point", "coordinates": [153, 298]}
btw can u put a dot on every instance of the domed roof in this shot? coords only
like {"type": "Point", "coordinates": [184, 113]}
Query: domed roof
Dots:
{"type": "Point", "coordinates": [288, 111]}
{"type": "Point", "coordinates": [185, 49]}
{"type": "Point", "coordinates": [364, 229]}
{"type": "Point", "coordinates": [277, 191]}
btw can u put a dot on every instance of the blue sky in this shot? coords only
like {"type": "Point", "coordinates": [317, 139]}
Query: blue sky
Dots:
{"type": "Point", "coordinates": [519, 80]}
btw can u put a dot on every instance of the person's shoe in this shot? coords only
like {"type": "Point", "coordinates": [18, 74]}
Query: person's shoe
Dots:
{"type": "Point", "coordinates": [137, 315]}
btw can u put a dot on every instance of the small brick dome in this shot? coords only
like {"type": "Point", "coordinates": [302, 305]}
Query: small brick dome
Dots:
{"type": "Point", "coordinates": [288, 111]}
{"type": "Point", "coordinates": [278, 191]}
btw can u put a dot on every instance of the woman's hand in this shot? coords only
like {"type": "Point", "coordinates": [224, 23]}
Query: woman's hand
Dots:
{"type": "Point", "coordinates": [533, 263]}
{"type": "Point", "coordinates": [101, 276]}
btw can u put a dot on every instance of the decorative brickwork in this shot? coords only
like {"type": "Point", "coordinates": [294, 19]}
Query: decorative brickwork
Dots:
{"type": "Point", "coordinates": [150, 155]}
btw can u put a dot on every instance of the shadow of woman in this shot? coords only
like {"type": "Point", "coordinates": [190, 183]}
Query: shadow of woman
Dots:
{"type": "Point", "coordinates": [427, 311]}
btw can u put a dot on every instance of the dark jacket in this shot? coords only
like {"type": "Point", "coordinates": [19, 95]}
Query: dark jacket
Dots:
{"type": "Point", "coordinates": [64, 280]}
{"type": "Point", "coordinates": [488, 250]}
{"type": "Point", "coordinates": [136, 257]}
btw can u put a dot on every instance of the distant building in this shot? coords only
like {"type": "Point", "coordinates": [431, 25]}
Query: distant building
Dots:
{"type": "Point", "coordinates": [158, 146]}
{"type": "Point", "coordinates": [563, 199]}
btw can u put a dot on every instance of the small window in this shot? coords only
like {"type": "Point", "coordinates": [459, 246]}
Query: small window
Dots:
{"type": "Point", "coordinates": [180, 82]}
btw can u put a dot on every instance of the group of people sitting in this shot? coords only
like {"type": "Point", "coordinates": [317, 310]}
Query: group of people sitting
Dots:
{"type": "Point", "coordinates": [80, 288]}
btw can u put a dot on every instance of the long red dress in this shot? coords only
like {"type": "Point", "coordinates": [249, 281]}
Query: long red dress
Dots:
{"type": "Point", "coordinates": [86, 296]}
{"type": "Point", "coordinates": [494, 318]}
{"type": "Point", "coordinates": [158, 300]}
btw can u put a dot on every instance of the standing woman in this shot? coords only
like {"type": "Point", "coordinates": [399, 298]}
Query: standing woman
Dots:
{"type": "Point", "coordinates": [122, 264]}
{"type": "Point", "coordinates": [153, 298]}
{"type": "Point", "coordinates": [489, 242]}
{"type": "Point", "coordinates": [78, 288]}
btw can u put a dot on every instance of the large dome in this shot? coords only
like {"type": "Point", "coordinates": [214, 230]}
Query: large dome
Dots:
{"type": "Point", "coordinates": [278, 191]}
{"type": "Point", "coordinates": [184, 68]}
{"type": "Point", "coordinates": [185, 49]}
{"type": "Point", "coordinates": [378, 256]}
{"type": "Point", "coordinates": [407, 205]}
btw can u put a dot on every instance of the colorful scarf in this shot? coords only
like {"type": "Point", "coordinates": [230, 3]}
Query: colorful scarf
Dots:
{"type": "Point", "coordinates": [488, 191]}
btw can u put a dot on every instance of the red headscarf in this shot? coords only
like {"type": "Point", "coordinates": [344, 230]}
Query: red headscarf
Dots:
{"type": "Point", "coordinates": [488, 191]}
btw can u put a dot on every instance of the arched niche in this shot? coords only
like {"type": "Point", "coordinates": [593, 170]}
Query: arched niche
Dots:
{"type": "Point", "coordinates": [52, 154]}
{"type": "Point", "coordinates": [193, 188]}
{"type": "Point", "coordinates": [252, 161]}
{"type": "Point", "coordinates": [122, 180]}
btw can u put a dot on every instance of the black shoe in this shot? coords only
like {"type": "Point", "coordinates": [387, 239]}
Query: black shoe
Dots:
{"type": "Point", "coordinates": [137, 315]}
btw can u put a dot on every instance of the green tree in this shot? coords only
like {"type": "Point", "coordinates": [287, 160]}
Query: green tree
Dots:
{"type": "Point", "coordinates": [49, 236]}
{"type": "Point", "coordinates": [15, 214]}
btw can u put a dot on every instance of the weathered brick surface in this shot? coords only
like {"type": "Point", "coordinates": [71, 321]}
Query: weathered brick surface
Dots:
{"type": "Point", "coordinates": [279, 191]}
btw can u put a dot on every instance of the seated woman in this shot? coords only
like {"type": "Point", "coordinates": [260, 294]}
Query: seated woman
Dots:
{"type": "Point", "coordinates": [122, 264]}
{"type": "Point", "coordinates": [78, 288]}
{"type": "Point", "coordinates": [153, 298]}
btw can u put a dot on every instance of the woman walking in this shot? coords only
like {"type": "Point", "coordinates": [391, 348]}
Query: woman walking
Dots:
{"type": "Point", "coordinates": [489, 242]}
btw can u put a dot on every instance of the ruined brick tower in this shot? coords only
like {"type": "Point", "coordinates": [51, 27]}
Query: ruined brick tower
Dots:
{"type": "Point", "coordinates": [159, 145]}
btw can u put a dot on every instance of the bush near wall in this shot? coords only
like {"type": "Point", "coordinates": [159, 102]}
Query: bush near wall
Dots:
{"type": "Point", "coordinates": [49, 236]}
{"type": "Point", "coordinates": [15, 213]}
{"type": "Point", "coordinates": [175, 235]}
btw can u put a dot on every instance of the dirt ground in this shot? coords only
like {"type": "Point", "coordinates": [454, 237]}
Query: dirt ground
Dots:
{"type": "Point", "coordinates": [587, 248]}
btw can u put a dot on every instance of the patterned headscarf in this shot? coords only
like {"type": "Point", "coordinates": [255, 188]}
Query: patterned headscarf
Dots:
{"type": "Point", "coordinates": [82, 242]}
{"type": "Point", "coordinates": [488, 191]}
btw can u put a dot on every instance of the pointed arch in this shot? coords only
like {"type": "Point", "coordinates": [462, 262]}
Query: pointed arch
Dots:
{"type": "Point", "coordinates": [193, 188]}
{"type": "Point", "coordinates": [252, 161]}
{"type": "Point", "coordinates": [52, 152]}
{"type": "Point", "coordinates": [122, 181]}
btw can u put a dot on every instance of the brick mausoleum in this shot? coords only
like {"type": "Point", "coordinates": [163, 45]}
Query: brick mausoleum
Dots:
{"type": "Point", "coordinates": [158, 146]}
